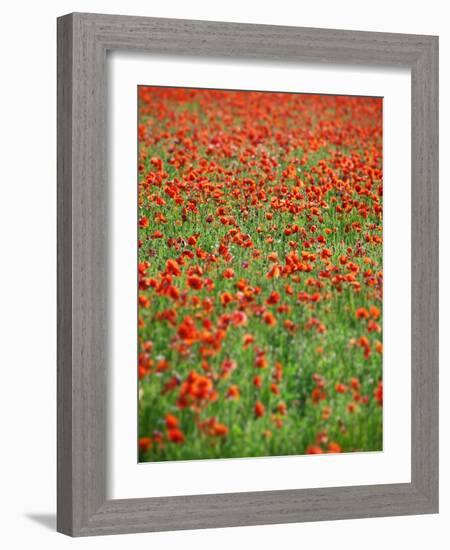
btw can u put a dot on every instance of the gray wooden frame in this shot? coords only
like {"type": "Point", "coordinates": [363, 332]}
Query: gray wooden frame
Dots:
{"type": "Point", "coordinates": [83, 40]}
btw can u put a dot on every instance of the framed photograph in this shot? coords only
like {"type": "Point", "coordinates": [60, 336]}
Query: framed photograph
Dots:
{"type": "Point", "coordinates": [247, 274]}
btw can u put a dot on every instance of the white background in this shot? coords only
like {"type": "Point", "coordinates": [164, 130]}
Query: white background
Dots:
{"type": "Point", "coordinates": [28, 271]}
{"type": "Point", "coordinates": [127, 479]}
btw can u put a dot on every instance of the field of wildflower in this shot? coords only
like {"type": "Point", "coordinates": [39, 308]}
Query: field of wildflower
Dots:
{"type": "Point", "coordinates": [260, 274]}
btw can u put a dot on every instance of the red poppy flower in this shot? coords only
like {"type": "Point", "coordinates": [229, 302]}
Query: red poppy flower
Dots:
{"type": "Point", "coordinates": [228, 273]}
{"type": "Point", "coordinates": [259, 409]}
{"type": "Point", "coordinates": [145, 444]}
{"type": "Point", "coordinates": [175, 435]}
{"type": "Point", "coordinates": [195, 282]}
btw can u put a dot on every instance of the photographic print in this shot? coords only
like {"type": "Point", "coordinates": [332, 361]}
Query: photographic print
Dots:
{"type": "Point", "coordinates": [260, 274]}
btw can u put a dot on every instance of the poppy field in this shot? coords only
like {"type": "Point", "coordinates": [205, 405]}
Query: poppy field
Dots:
{"type": "Point", "coordinates": [260, 274]}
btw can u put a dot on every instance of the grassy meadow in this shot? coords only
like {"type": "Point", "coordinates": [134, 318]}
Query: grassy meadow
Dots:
{"type": "Point", "coordinates": [260, 274]}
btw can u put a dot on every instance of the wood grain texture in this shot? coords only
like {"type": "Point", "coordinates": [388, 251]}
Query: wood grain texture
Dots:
{"type": "Point", "coordinates": [64, 300]}
{"type": "Point", "coordinates": [83, 40]}
{"type": "Point", "coordinates": [425, 272]}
